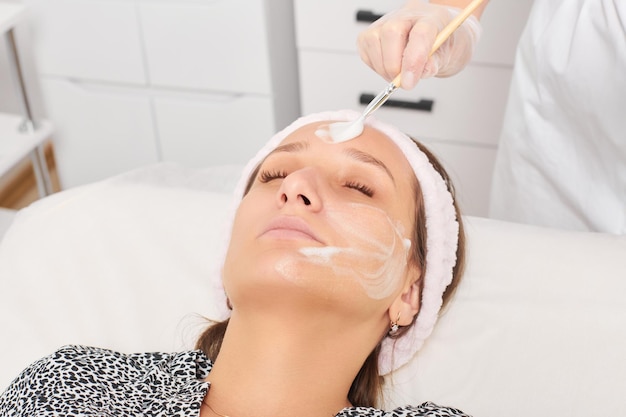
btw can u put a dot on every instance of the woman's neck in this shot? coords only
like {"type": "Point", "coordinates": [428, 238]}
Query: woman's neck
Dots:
{"type": "Point", "coordinates": [285, 368]}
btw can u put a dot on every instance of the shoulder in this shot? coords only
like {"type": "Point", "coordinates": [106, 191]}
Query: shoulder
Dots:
{"type": "Point", "coordinates": [85, 356]}
{"type": "Point", "coordinates": [72, 360]}
{"type": "Point", "coordinates": [193, 364]}
{"type": "Point", "coordinates": [427, 409]}
{"type": "Point", "coordinates": [81, 372]}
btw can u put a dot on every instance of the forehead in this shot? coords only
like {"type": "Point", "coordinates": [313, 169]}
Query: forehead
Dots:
{"type": "Point", "coordinates": [371, 141]}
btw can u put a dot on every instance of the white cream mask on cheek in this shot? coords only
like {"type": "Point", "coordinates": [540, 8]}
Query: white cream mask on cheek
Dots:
{"type": "Point", "coordinates": [371, 252]}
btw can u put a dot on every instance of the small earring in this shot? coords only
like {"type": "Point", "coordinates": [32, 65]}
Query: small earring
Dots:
{"type": "Point", "coordinates": [393, 328]}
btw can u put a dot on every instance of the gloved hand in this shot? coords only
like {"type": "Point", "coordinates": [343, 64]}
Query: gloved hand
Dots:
{"type": "Point", "coordinates": [400, 41]}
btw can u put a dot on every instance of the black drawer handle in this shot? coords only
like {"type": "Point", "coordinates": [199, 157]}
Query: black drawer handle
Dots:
{"type": "Point", "coordinates": [421, 105]}
{"type": "Point", "coordinates": [367, 16]}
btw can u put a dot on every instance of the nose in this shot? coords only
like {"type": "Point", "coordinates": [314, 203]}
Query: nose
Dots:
{"type": "Point", "coordinates": [300, 187]}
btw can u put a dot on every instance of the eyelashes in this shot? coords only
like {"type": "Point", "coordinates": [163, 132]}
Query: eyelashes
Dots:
{"type": "Point", "coordinates": [368, 191]}
{"type": "Point", "coordinates": [270, 175]}
{"type": "Point", "coordinates": [267, 176]}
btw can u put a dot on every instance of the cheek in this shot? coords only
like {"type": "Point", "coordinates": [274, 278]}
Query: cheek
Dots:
{"type": "Point", "coordinates": [370, 250]}
{"type": "Point", "coordinates": [237, 245]}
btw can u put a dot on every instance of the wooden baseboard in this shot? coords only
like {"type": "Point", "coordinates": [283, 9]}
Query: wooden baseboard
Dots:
{"type": "Point", "coordinates": [18, 188]}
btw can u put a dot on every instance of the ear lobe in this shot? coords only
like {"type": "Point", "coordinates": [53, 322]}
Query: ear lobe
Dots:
{"type": "Point", "coordinates": [407, 304]}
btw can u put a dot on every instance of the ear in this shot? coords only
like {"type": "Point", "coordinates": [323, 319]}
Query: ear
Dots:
{"type": "Point", "coordinates": [407, 303]}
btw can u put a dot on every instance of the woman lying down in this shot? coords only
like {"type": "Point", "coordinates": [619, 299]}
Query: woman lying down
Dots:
{"type": "Point", "coordinates": [340, 258]}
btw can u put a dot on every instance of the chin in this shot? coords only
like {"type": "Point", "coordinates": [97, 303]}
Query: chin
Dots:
{"type": "Point", "coordinates": [275, 271]}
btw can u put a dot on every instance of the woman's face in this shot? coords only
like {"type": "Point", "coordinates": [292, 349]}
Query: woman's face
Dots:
{"type": "Point", "coordinates": [325, 223]}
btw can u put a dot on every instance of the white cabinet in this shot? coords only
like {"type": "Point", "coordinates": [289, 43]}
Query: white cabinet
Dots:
{"type": "Point", "coordinates": [87, 40]}
{"type": "Point", "coordinates": [101, 130]}
{"type": "Point", "coordinates": [462, 120]}
{"type": "Point", "coordinates": [128, 83]}
{"type": "Point", "coordinates": [218, 46]}
{"type": "Point", "coordinates": [229, 129]}
{"type": "Point", "coordinates": [457, 102]}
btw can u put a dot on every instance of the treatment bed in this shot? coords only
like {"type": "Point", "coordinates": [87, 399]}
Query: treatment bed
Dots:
{"type": "Point", "coordinates": [536, 328]}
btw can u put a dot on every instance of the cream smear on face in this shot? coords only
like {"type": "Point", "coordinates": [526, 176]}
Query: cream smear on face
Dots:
{"type": "Point", "coordinates": [341, 131]}
{"type": "Point", "coordinates": [374, 253]}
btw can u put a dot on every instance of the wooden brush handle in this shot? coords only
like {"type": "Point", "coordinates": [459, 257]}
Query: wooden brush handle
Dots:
{"type": "Point", "coordinates": [447, 31]}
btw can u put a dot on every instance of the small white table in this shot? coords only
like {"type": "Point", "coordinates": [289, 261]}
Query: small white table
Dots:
{"type": "Point", "coordinates": [20, 135]}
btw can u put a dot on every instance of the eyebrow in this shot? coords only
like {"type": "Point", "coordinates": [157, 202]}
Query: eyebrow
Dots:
{"type": "Point", "coordinates": [353, 153]}
{"type": "Point", "coordinates": [368, 159]}
{"type": "Point", "coordinates": [291, 147]}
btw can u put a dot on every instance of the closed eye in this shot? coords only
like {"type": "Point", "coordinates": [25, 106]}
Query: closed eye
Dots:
{"type": "Point", "coordinates": [270, 175]}
{"type": "Point", "coordinates": [360, 187]}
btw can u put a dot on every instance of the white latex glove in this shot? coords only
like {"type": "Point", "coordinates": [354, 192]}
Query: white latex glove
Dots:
{"type": "Point", "coordinates": [400, 41]}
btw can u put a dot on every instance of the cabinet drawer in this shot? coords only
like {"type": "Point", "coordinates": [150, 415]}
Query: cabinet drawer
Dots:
{"type": "Point", "coordinates": [213, 130]}
{"type": "Point", "coordinates": [100, 131]}
{"type": "Point", "coordinates": [91, 40]}
{"type": "Point", "coordinates": [332, 25]}
{"type": "Point", "coordinates": [464, 108]}
{"type": "Point", "coordinates": [213, 45]}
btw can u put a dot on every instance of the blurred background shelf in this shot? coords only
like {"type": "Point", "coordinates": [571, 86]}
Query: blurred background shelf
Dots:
{"type": "Point", "coordinates": [18, 187]}
{"type": "Point", "coordinates": [16, 145]}
{"type": "Point", "coordinates": [21, 136]}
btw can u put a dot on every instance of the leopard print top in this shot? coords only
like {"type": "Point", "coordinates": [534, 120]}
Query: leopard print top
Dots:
{"type": "Point", "coordinates": [88, 381]}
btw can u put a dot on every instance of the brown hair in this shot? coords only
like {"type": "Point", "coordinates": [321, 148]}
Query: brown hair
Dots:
{"type": "Point", "coordinates": [366, 389]}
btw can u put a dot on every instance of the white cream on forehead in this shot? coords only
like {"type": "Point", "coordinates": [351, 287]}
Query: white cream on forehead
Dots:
{"type": "Point", "coordinates": [341, 131]}
{"type": "Point", "coordinates": [374, 254]}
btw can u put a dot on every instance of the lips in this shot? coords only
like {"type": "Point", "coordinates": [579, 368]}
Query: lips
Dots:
{"type": "Point", "coordinates": [290, 227]}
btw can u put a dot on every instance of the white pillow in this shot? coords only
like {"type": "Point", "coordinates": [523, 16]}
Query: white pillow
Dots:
{"type": "Point", "coordinates": [128, 263]}
{"type": "Point", "coordinates": [537, 328]}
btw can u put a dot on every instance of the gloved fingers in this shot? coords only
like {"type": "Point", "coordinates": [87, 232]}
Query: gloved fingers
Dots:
{"type": "Point", "coordinates": [449, 59]}
{"type": "Point", "coordinates": [416, 54]}
{"type": "Point", "coordinates": [393, 44]}
{"type": "Point", "coordinates": [457, 51]}
{"type": "Point", "coordinates": [439, 61]}
{"type": "Point", "coordinates": [400, 43]}
{"type": "Point", "coordinates": [401, 40]}
{"type": "Point", "coordinates": [431, 68]}
{"type": "Point", "coordinates": [381, 46]}
{"type": "Point", "coordinates": [371, 52]}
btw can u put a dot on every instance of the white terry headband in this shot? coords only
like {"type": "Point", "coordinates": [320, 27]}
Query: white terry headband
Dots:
{"type": "Point", "coordinates": [441, 225]}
